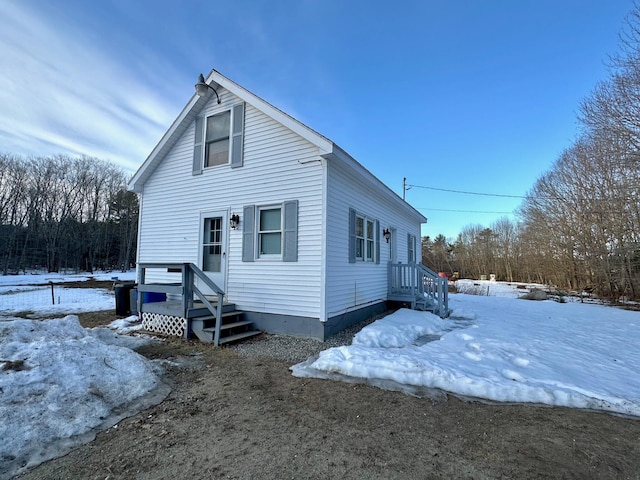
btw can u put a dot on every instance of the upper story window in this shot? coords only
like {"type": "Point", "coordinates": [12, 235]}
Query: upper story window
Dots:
{"type": "Point", "coordinates": [216, 148]}
{"type": "Point", "coordinates": [219, 140]}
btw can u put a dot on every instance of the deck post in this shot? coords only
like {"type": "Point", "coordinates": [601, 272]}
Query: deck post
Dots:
{"type": "Point", "coordinates": [216, 336]}
{"type": "Point", "coordinates": [141, 279]}
{"type": "Point", "coordinates": [187, 293]}
{"type": "Point", "coordinates": [416, 284]}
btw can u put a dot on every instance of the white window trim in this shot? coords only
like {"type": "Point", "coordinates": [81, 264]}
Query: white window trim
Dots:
{"type": "Point", "coordinates": [269, 256]}
{"type": "Point", "coordinates": [365, 221]}
{"type": "Point", "coordinates": [229, 139]}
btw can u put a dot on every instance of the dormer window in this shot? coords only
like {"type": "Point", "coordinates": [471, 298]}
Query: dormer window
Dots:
{"type": "Point", "coordinates": [216, 148]}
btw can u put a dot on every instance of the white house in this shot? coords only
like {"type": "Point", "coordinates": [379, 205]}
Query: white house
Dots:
{"type": "Point", "coordinates": [275, 219]}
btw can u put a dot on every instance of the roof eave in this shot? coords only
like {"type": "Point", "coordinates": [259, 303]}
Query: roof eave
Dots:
{"type": "Point", "coordinates": [168, 140]}
{"type": "Point", "coordinates": [193, 108]}
{"type": "Point", "coordinates": [324, 145]}
{"type": "Point", "coordinates": [341, 155]}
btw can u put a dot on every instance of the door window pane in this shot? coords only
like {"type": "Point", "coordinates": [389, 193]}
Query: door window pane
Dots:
{"type": "Point", "coordinates": [212, 245]}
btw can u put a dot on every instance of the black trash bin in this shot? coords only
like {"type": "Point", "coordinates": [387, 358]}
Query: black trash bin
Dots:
{"type": "Point", "coordinates": [133, 300]}
{"type": "Point", "coordinates": [123, 302]}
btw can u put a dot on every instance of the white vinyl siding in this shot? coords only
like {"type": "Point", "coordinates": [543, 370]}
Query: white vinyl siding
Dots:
{"type": "Point", "coordinates": [353, 285]}
{"type": "Point", "coordinates": [278, 166]}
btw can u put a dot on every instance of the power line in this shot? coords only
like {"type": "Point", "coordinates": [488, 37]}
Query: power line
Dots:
{"type": "Point", "coordinates": [471, 193]}
{"type": "Point", "coordinates": [631, 188]}
{"type": "Point", "coordinates": [459, 211]}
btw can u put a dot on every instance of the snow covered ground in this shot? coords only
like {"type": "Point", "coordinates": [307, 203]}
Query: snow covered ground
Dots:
{"type": "Point", "coordinates": [60, 383]}
{"type": "Point", "coordinates": [500, 348]}
{"type": "Point", "coordinates": [38, 278]}
{"type": "Point", "coordinates": [19, 293]}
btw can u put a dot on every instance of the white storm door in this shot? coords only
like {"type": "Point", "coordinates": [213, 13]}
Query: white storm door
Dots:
{"type": "Point", "coordinates": [213, 248]}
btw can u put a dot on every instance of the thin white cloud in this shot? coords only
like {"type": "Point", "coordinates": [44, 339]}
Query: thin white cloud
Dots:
{"type": "Point", "coordinates": [60, 93]}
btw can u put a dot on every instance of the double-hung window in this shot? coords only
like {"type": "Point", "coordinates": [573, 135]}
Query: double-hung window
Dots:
{"type": "Point", "coordinates": [216, 146]}
{"type": "Point", "coordinates": [364, 238]}
{"type": "Point", "coordinates": [219, 140]}
{"type": "Point", "coordinates": [269, 231]}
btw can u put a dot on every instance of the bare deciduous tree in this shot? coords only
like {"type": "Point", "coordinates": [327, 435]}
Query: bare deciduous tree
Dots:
{"type": "Point", "coordinates": [58, 212]}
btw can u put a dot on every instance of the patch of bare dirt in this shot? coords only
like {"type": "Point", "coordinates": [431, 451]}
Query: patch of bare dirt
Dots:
{"type": "Point", "coordinates": [97, 319]}
{"type": "Point", "coordinates": [235, 417]}
{"type": "Point", "coordinates": [90, 283]}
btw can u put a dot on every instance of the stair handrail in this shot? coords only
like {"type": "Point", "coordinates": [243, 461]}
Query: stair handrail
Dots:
{"type": "Point", "coordinates": [190, 271]}
{"type": "Point", "coordinates": [419, 282]}
{"type": "Point", "coordinates": [439, 294]}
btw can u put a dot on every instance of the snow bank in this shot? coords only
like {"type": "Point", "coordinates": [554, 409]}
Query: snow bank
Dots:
{"type": "Point", "coordinates": [60, 382]}
{"type": "Point", "coordinates": [501, 349]}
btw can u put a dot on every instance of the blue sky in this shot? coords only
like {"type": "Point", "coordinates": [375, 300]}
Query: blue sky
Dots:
{"type": "Point", "coordinates": [467, 95]}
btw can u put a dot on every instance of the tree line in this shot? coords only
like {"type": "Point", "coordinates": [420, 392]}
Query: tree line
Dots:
{"type": "Point", "coordinates": [63, 213]}
{"type": "Point", "coordinates": [579, 225]}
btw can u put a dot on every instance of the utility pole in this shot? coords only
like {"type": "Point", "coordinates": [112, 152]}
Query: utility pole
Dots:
{"type": "Point", "coordinates": [404, 187]}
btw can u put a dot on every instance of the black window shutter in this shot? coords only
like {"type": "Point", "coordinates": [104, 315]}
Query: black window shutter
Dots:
{"type": "Point", "coordinates": [290, 253]}
{"type": "Point", "coordinates": [197, 147]}
{"type": "Point", "coordinates": [248, 227]}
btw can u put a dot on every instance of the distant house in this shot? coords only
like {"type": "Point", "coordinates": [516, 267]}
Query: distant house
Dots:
{"type": "Point", "coordinates": [250, 217]}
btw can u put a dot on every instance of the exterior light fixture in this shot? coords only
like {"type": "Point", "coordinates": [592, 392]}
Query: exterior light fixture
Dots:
{"type": "Point", "coordinates": [387, 234]}
{"type": "Point", "coordinates": [202, 88]}
{"type": "Point", "coordinates": [235, 221]}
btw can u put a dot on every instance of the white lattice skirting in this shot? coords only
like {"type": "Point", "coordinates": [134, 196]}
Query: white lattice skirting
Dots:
{"type": "Point", "coordinates": [167, 324]}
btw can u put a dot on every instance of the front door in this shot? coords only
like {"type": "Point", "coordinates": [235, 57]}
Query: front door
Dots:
{"type": "Point", "coordinates": [213, 248]}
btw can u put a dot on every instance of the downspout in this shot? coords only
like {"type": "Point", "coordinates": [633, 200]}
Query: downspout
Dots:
{"type": "Point", "coordinates": [323, 242]}
{"type": "Point", "coordinates": [138, 240]}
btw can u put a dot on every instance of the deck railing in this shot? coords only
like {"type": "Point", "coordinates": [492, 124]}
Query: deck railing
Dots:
{"type": "Point", "coordinates": [415, 283]}
{"type": "Point", "coordinates": [187, 289]}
